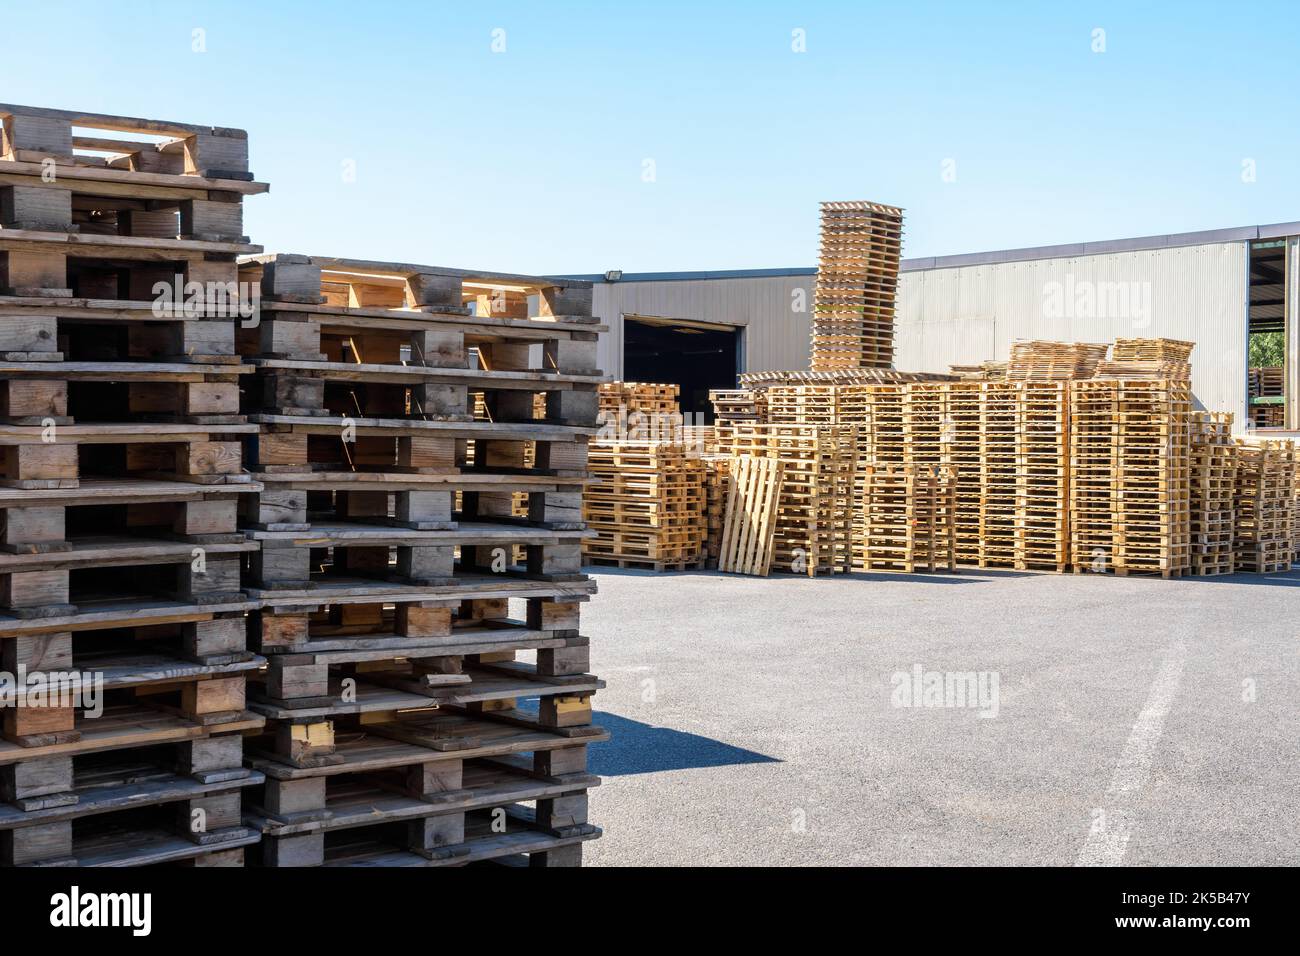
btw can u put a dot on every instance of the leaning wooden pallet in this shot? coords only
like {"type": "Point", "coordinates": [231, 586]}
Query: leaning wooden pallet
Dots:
{"type": "Point", "coordinates": [754, 494]}
{"type": "Point", "coordinates": [388, 558]}
{"type": "Point", "coordinates": [814, 527]}
{"type": "Point", "coordinates": [121, 428]}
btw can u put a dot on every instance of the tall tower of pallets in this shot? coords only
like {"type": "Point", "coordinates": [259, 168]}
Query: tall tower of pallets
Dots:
{"type": "Point", "coordinates": [388, 520]}
{"type": "Point", "coordinates": [857, 284]}
{"type": "Point", "coordinates": [120, 553]}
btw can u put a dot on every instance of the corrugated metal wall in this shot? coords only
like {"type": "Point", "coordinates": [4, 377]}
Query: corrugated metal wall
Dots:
{"type": "Point", "coordinates": [968, 314]}
{"type": "Point", "coordinates": [1198, 293]}
{"type": "Point", "coordinates": [773, 336]}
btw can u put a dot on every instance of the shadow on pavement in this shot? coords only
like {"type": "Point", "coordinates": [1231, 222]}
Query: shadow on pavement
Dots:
{"type": "Point", "coordinates": [641, 748]}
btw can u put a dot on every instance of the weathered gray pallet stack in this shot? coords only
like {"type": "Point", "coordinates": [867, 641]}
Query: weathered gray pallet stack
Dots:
{"type": "Point", "coordinates": [120, 551]}
{"type": "Point", "coordinates": [400, 728]}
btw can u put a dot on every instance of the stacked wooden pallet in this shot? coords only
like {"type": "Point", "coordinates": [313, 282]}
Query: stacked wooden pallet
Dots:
{"type": "Point", "coordinates": [732, 405]}
{"type": "Point", "coordinates": [1141, 359]}
{"type": "Point", "coordinates": [648, 398]}
{"type": "Point", "coordinates": [814, 529]}
{"type": "Point", "coordinates": [639, 411]}
{"type": "Point", "coordinates": [119, 549]}
{"type": "Point", "coordinates": [999, 474]}
{"type": "Point", "coordinates": [648, 508]}
{"type": "Point", "coordinates": [394, 734]}
{"type": "Point", "coordinates": [927, 428]}
{"type": "Point", "coordinates": [1265, 500]}
{"type": "Point", "coordinates": [1042, 476]}
{"type": "Point", "coordinates": [1213, 482]}
{"type": "Point", "coordinates": [857, 284]}
{"type": "Point", "coordinates": [1266, 381]}
{"type": "Point", "coordinates": [908, 521]}
{"type": "Point", "coordinates": [983, 372]}
{"type": "Point", "coordinates": [1041, 361]}
{"type": "Point", "coordinates": [803, 404]}
{"type": "Point", "coordinates": [839, 376]}
{"type": "Point", "coordinates": [717, 485]}
{"type": "Point", "coordinates": [1130, 460]}
{"type": "Point", "coordinates": [964, 457]}
{"type": "Point", "coordinates": [1268, 415]}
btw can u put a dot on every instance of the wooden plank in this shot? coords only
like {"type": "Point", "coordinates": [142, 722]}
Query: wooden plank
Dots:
{"type": "Point", "coordinates": [750, 523]}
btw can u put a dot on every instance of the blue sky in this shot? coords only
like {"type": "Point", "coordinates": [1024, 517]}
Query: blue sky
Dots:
{"type": "Point", "coordinates": [534, 159]}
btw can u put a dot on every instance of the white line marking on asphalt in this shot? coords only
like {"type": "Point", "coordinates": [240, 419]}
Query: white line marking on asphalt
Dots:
{"type": "Point", "coordinates": [1108, 839]}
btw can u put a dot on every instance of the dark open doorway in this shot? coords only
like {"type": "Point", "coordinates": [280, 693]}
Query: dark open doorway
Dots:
{"type": "Point", "coordinates": [694, 358]}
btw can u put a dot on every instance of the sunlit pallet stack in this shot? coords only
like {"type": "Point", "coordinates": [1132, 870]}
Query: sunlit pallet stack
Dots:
{"type": "Point", "coordinates": [814, 529]}
{"type": "Point", "coordinates": [639, 411]}
{"type": "Point", "coordinates": [1135, 359]}
{"type": "Point", "coordinates": [1042, 476]}
{"type": "Point", "coordinates": [999, 474]}
{"type": "Point", "coordinates": [647, 508]}
{"type": "Point", "coordinates": [857, 283]}
{"type": "Point", "coordinates": [1040, 361]}
{"type": "Point", "coordinates": [1265, 501]}
{"type": "Point", "coordinates": [119, 550]}
{"type": "Point", "coordinates": [964, 457]}
{"type": "Point", "coordinates": [387, 564]}
{"type": "Point", "coordinates": [1130, 460]}
{"type": "Point", "coordinates": [908, 519]}
{"type": "Point", "coordinates": [983, 372]}
{"type": "Point", "coordinates": [1213, 484]}
{"type": "Point", "coordinates": [717, 483]}
{"type": "Point", "coordinates": [803, 404]}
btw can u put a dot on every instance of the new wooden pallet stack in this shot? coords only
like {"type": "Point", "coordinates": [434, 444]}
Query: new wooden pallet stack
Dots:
{"type": "Point", "coordinates": [1267, 389]}
{"type": "Point", "coordinates": [964, 457]}
{"type": "Point", "coordinates": [804, 404]}
{"type": "Point", "coordinates": [732, 406]}
{"type": "Point", "coordinates": [647, 509]}
{"type": "Point", "coordinates": [717, 486]}
{"type": "Point", "coordinates": [1213, 485]}
{"type": "Point", "coordinates": [857, 284]}
{"type": "Point", "coordinates": [1041, 361]}
{"type": "Point", "coordinates": [908, 519]}
{"type": "Point", "coordinates": [640, 411]}
{"type": "Point", "coordinates": [814, 529]}
{"type": "Point", "coordinates": [1131, 476]}
{"type": "Point", "coordinates": [400, 731]}
{"type": "Point", "coordinates": [1148, 359]}
{"type": "Point", "coordinates": [999, 474]}
{"type": "Point", "coordinates": [1265, 500]}
{"type": "Point", "coordinates": [120, 426]}
{"type": "Point", "coordinates": [1042, 541]}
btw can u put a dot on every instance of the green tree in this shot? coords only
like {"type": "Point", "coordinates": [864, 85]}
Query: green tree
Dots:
{"type": "Point", "coordinates": [1267, 348]}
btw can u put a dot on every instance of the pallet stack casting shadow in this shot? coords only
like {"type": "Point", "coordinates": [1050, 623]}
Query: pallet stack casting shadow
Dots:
{"type": "Point", "coordinates": [397, 730]}
{"type": "Point", "coordinates": [120, 558]}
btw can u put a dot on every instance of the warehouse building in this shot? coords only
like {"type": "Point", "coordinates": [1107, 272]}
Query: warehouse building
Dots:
{"type": "Point", "coordinates": [1216, 288]}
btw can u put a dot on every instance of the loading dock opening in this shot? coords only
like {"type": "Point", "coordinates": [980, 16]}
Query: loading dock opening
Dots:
{"type": "Point", "coordinates": [692, 355]}
{"type": "Point", "coordinates": [1269, 358]}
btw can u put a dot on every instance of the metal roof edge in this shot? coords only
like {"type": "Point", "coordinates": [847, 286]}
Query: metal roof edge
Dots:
{"type": "Point", "coordinates": [1029, 253]}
